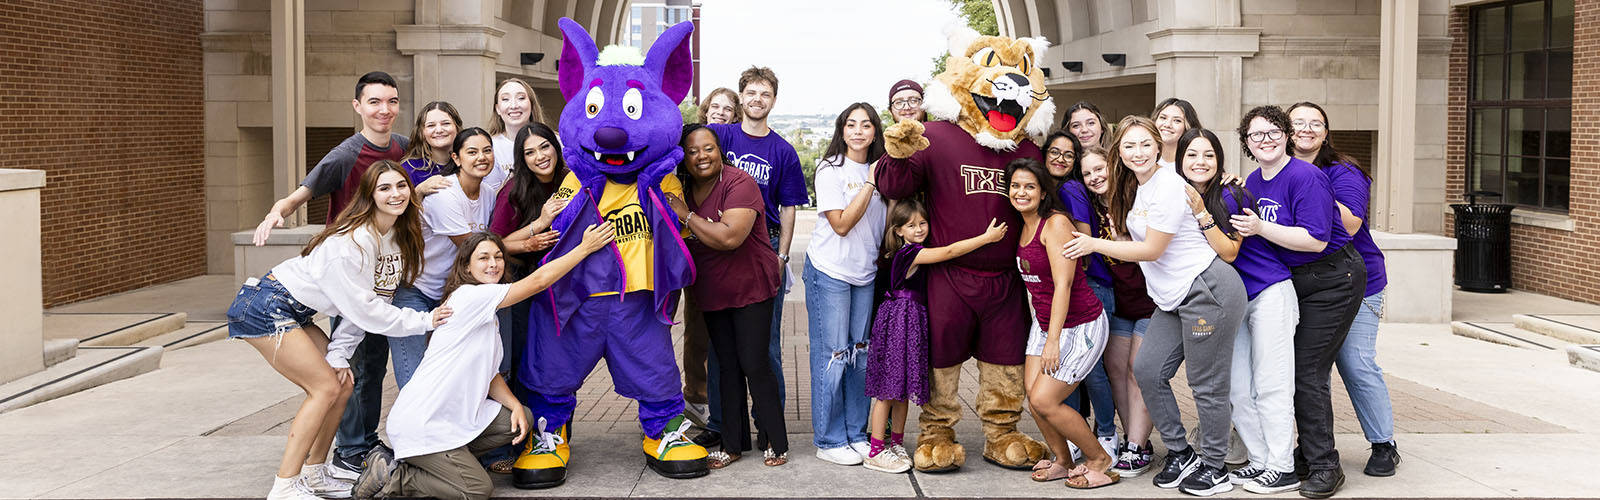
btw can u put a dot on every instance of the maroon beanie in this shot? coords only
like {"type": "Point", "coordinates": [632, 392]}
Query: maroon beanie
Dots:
{"type": "Point", "coordinates": [903, 85]}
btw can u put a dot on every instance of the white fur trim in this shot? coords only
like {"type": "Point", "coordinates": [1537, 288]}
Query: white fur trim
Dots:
{"type": "Point", "coordinates": [1039, 44]}
{"type": "Point", "coordinates": [939, 102]}
{"type": "Point", "coordinates": [1039, 124]}
{"type": "Point", "coordinates": [988, 140]}
{"type": "Point", "coordinates": [960, 37]}
{"type": "Point", "coordinates": [617, 55]}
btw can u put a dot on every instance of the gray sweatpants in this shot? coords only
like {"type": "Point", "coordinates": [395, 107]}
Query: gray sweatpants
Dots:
{"type": "Point", "coordinates": [1201, 331]}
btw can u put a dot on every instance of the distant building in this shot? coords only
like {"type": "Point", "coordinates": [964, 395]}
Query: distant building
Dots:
{"type": "Point", "coordinates": [648, 18]}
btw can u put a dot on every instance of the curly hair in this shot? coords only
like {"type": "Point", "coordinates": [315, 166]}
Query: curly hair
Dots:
{"type": "Point", "coordinates": [1272, 114]}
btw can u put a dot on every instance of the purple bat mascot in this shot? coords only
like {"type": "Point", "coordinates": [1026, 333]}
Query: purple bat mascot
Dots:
{"type": "Point", "coordinates": [619, 131]}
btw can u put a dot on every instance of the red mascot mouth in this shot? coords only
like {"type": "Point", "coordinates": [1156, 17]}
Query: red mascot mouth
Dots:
{"type": "Point", "coordinates": [1003, 115]}
{"type": "Point", "coordinates": [614, 159]}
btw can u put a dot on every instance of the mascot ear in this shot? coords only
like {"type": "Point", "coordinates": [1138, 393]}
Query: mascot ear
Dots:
{"type": "Point", "coordinates": [1039, 44]}
{"type": "Point", "coordinates": [960, 38]}
{"type": "Point", "coordinates": [670, 60]}
{"type": "Point", "coordinates": [579, 52]}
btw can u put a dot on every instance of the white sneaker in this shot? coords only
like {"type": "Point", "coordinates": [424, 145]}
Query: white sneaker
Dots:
{"type": "Point", "coordinates": [842, 455]}
{"type": "Point", "coordinates": [337, 470]}
{"type": "Point", "coordinates": [862, 448]}
{"type": "Point", "coordinates": [1077, 454]}
{"type": "Point", "coordinates": [289, 489]}
{"type": "Point", "coordinates": [1110, 444]}
{"type": "Point", "coordinates": [901, 450]}
{"type": "Point", "coordinates": [887, 461]}
{"type": "Point", "coordinates": [315, 479]}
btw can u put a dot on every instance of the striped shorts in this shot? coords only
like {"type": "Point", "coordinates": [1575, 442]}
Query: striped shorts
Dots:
{"type": "Point", "coordinates": [1081, 347]}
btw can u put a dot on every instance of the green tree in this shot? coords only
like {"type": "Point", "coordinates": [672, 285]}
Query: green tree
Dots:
{"type": "Point", "coordinates": [690, 112]}
{"type": "Point", "coordinates": [979, 15]}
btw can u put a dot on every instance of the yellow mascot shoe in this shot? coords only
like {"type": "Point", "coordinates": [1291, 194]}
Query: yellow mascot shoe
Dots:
{"type": "Point", "coordinates": [673, 455]}
{"type": "Point", "coordinates": [543, 464]}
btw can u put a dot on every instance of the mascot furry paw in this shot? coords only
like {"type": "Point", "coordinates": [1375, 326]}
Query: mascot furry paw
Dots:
{"type": "Point", "coordinates": [620, 130]}
{"type": "Point", "coordinates": [989, 107]}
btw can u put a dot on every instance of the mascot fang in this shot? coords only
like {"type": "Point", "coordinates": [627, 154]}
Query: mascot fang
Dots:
{"type": "Point", "coordinates": [620, 131]}
{"type": "Point", "coordinates": [988, 108]}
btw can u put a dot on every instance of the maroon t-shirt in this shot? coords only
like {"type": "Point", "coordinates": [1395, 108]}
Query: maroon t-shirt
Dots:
{"type": "Point", "coordinates": [965, 190]}
{"type": "Point", "coordinates": [726, 279]}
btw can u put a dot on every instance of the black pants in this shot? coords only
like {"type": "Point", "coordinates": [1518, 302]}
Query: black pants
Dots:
{"type": "Point", "coordinates": [740, 337]}
{"type": "Point", "coordinates": [1330, 292]}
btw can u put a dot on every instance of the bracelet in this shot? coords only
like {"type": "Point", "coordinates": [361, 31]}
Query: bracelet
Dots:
{"type": "Point", "coordinates": [1208, 226]}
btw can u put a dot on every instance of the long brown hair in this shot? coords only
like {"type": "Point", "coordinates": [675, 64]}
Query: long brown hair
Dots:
{"type": "Point", "coordinates": [899, 215]}
{"type": "Point", "coordinates": [461, 270]}
{"type": "Point", "coordinates": [1124, 184]}
{"type": "Point", "coordinates": [419, 147]}
{"type": "Point", "coordinates": [496, 125]}
{"type": "Point", "coordinates": [362, 209]}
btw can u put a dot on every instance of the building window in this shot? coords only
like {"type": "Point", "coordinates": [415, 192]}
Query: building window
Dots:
{"type": "Point", "coordinates": [1519, 102]}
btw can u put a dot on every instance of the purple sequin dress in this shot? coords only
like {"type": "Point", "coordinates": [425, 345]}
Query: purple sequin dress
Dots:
{"type": "Point", "coordinates": [897, 359]}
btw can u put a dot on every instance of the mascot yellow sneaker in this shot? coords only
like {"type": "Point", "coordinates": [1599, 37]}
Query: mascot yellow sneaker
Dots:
{"type": "Point", "coordinates": [673, 455]}
{"type": "Point", "coordinates": [544, 463]}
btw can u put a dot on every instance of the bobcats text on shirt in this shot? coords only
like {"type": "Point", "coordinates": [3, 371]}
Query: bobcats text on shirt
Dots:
{"type": "Point", "coordinates": [634, 239]}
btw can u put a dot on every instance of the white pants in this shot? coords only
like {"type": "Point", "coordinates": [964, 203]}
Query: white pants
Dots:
{"type": "Point", "coordinates": [1263, 377]}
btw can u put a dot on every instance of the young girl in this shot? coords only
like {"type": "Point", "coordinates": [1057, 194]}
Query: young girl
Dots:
{"type": "Point", "coordinates": [1070, 327]}
{"type": "Point", "coordinates": [1200, 302]}
{"type": "Point", "coordinates": [427, 160]}
{"type": "Point", "coordinates": [349, 270]}
{"type": "Point", "coordinates": [1173, 117]}
{"type": "Point", "coordinates": [1262, 387]}
{"type": "Point", "coordinates": [841, 263]}
{"type": "Point", "coordinates": [463, 407]}
{"type": "Point", "coordinates": [897, 359]}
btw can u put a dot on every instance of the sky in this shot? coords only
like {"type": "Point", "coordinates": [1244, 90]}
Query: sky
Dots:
{"type": "Point", "coordinates": [827, 54]}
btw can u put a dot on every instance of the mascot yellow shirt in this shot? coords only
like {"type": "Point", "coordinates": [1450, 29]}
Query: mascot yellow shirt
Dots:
{"type": "Point", "coordinates": [620, 206]}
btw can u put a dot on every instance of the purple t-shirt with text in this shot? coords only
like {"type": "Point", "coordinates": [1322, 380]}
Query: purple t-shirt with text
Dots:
{"type": "Point", "coordinates": [1079, 206]}
{"type": "Point", "coordinates": [771, 161]}
{"type": "Point", "coordinates": [1299, 196]}
{"type": "Point", "coordinates": [1258, 263]}
{"type": "Point", "coordinates": [1352, 189]}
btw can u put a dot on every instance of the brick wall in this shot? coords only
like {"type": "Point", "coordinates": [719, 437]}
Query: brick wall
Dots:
{"type": "Point", "coordinates": [107, 99]}
{"type": "Point", "coordinates": [1547, 261]}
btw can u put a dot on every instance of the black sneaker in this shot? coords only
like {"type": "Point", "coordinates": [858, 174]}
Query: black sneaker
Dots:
{"type": "Point", "coordinates": [378, 469]}
{"type": "Point", "coordinates": [1384, 459]}
{"type": "Point", "coordinates": [1271, 481]}
{"type": "Point", "coordinates": [708, 439]}
{"type": "Point", "coordinates": [1322, 483]}
{"type": "Point", "coordinates": [1178, 466]}
{"type": "Point", "coordinates": [1206, 481]}
{"type": "Point", "coordinates": [1246, 474]}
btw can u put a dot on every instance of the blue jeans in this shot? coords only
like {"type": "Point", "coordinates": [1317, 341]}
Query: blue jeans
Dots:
{"type": "Point", "coordinates": [358, 427]}
{"type": "Point", "coordinates": [775, 358]}
{"type": "Point", "coordinates": [407, 351]}
{"type": "Point", "coordinates": [838, 318]}
{"type": "Point", "coordinates": [1363, 378]}
{"type": "Point", "coordinates": [1097, 383]}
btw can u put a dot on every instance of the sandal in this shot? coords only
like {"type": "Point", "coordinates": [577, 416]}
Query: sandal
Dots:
{"type": "Point", "coordinates": [719, 459]}
{"type": "Point", "coordinates": [1093, 479]}
{"type": "Point", "coordinates": [774, 459]}
{"type": "Point", "coordinates": [1051, 473]}
{"type": "Point", "coordinates": [502, 466]}
{"type": "Point", "coordinates": [1044, 463]}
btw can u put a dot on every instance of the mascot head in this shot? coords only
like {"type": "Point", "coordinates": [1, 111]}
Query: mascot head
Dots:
{"type": "Point", "coordinates": [621, 120]}
{"type": "Point", "coordinates": [992, 88]}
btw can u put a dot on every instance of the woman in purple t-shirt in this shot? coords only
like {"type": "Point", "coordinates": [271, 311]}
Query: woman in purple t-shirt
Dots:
{"type": "Point", "coordinates": [1357, 362]}
{"type": "Point", "coordinates": [724, 215]}
{"type": "Point", "coordinates": [1295, 211]}
{"type": "Point", "coordinates": [1069, 332]}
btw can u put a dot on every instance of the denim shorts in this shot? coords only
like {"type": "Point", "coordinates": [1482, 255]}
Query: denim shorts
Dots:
{"type": "Point", "coordinates": [264, 307]}
{"type": "Point", "coordinates": [1126, 328]}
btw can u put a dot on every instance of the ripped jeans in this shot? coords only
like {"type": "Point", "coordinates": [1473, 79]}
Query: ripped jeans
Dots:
{"type": "Point", "coordinates": [838, 314]}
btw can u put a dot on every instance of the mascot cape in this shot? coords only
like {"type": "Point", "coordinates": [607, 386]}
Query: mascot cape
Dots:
{"type": "Point", "coordinates": [620, 131]}
{"type": "Point", "coordinates": [989, 107]}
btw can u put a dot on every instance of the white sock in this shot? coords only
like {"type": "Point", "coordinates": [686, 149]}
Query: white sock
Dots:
{"type": "Point", "coordinates": [309, 469]}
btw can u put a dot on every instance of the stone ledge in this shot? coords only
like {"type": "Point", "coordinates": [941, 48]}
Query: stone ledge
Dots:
{"type": "Point", "coordinates": [1412, 241]}
{"type": "Point", "coordinates": [297, 236]}
{"type": "Point", "coordinates": [1527, 217]}
{"type": "Point", "coordinates": [16, 179]}
{"type": "Point", "coordinates": [1420, 271]}
{"type": "Point", "coordinates": [251, 260]}
{"type": "Point", "coordinates": [1200, 42]}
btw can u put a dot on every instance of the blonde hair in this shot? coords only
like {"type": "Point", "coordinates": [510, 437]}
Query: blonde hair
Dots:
{"type": "Point", "coordinates": [498, 126]}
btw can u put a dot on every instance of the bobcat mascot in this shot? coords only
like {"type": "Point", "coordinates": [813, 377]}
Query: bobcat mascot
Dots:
{"type": "Point", "coordinates": [982, 112]}
{"type": "Point", "coordinates": [620, 131]}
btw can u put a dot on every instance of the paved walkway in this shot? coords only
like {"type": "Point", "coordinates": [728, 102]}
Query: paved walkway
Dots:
{"type": "Point", "coordinates": [1474, 420]}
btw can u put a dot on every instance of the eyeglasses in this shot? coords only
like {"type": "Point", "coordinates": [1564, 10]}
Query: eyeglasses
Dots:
{"type": "Point", "coordinates": [1312, 125]}
{"type": "Point", "coordinates": [1264, 135]}
{"type": "Point", "coordinates": [1057, 154]}
{"type": "Point", "coordinates": [905, 104]}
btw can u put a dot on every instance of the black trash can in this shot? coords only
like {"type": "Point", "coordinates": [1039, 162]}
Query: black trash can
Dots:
{"type": "Point", "coordinates": [1483, 245]}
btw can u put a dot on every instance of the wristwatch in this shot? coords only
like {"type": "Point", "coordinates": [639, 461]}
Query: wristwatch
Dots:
{"type": "Point", "coordinates": [784, 257]}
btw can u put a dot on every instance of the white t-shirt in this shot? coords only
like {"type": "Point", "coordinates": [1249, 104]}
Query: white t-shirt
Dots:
{"type": "Point", "coordinates": [449, 404]}
{"type": "Point", "coordinates": [505, 157]}
{"type": "Point", "coordinates": [449, 213]}
{"type": "Point", "coordinates": [1161, 204]}
{"type": "Point", "coordinates": [851, 258]}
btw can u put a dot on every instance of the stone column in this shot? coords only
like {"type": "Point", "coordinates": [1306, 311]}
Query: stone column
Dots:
{"type": "Point", "coordinates": [1204, 67]}
{"type": "Point", "coordinates": [453, 51]}
{"type": "Point", "coordinates": [288, 100]}
{"type": "Point", "coordinates": [22, 339]}
{"type": "Point", "coordinates": [1394, 174]}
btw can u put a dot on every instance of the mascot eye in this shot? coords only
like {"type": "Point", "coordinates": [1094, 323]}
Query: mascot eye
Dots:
{"type": "Point", "coordinates": [633, 104]}
{"type": "Point", "coordinates": [594, 102]}
{"type": "Point", "coordinates": [1027, 65]}
{"type": "Point", "coordinates": [986, 57]}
